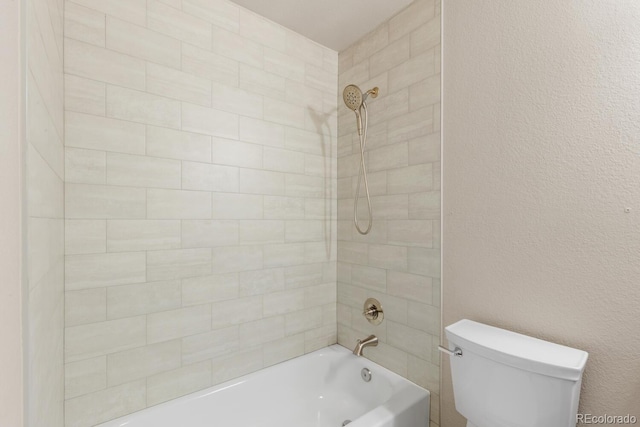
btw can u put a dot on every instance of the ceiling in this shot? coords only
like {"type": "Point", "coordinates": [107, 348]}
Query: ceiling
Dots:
{"type": "Point", "coordinates": [333, 23]}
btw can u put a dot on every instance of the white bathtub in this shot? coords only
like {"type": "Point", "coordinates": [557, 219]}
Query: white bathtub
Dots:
{"type": "Point", "coordinates": [320, 389]}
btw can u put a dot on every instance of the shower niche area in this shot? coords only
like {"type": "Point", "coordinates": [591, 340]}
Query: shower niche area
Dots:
{"type": "Point", "coordinates": [193, 171]}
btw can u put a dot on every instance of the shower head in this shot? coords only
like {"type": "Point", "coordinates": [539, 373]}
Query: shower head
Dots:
{"type": "Point", "coordinates": [352, 96]}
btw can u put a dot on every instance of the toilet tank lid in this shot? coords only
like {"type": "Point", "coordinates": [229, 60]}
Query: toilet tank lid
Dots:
{"type": "Point", "coordinates": [517, 350]}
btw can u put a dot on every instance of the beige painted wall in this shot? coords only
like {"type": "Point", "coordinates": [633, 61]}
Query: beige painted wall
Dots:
{"type": "Point", "coordinates": [11, 379]}
{"type": "Point", "coordinates": [541, 158]}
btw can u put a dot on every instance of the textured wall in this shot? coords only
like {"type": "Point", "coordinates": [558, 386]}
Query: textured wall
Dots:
{"type": "Point", "coordinates": [12, 76]}
{"type": "Point", "coordinates": [399, 261]}
{"type": "Point", "coordinates": [45, 212]}
{"type": "Point", "coordinates": [200, 200]}
{"type": "Point", "coordinates": [541, 158]}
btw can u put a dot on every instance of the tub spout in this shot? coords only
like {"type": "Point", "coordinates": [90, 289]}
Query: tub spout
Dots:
{"type": "Point", "coordinates": [370, 341]}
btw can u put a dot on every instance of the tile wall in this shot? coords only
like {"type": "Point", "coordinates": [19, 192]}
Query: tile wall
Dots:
{"type": "Point", "coordinates": [200, 152]}
{"type": "Point", "coordinates": [399, 261]}
{"type": "Point", "coordinates": [44, 213]}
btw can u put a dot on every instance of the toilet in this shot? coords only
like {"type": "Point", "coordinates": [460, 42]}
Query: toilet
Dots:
{"type": "Point", "coordinates": [505, 379]}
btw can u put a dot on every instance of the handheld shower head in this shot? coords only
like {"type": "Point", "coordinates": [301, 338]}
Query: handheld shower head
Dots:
{"type": "Point", "coordinates": [352, 96]}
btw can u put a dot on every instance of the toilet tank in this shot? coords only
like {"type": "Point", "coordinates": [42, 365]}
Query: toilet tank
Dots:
{"type": "Point", "coordinates": [505, 379]}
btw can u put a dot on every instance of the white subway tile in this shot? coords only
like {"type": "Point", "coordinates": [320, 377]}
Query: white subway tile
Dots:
{"type": "Point", "coordinates": [178, 85]}
{"type": "Point", "coordinates": [142, 107]}
{"type": "Point", "coordinates": [425, 149]}
{"type": "Point", "coordinates": [301, 47]}
{"type": "Point", "coordinates": [261, 331]}
{"type": "Point", "coordinates": [207, 177]}
{"type": "Point", "coordinates": [141, 171]}
{"type": "Point", "coordinates": [237, 206]}
{"type": "Point", "coordinates": [174, 144]}
{"type": "Point", "coordinates": [236, 47]}
{"type": "Point", "coordinates": [261, 132]}
{"type": "Point", "coordinates": [261, 232]}
{"type": "Point", "coordinates": [175, 23]}
{"type": "Point", "coordinates": [258, 282]}
{"type": "Point", "coordinates": [171, 384]}
{"type": "Point", "coordinates": [261, 182]}
{"type": "Point", "coordinates": [418, 13]}
{"type": "Point", "coordinates": [176, 204]}
{"type": "Point", "coordinates": [388, 256]}
{"type": "Point", "coordinates": [142, 298]}
{"type": "Point", "coordinates": [290, 67]}
{"type": "Point", "coordinates": [209, 233]}
{"type": "Point", "coordinates": [142, 235]}
{"type": "Point", "coordinates": [409, 286]}
{"type": "Point", "coordinates": [130, 10]}
{"type": "Point", "coordinates": [99, 270]}
{"type": "Point", "coordinates": [95, 408]}
{"type": "Point", "coordinates": [85, 166]}
{"type": "Point", "coordinates": [236, 153]}
{"type": "Point", "coordinates": [408, 339]}
{"type": "Point", "coordinates": [304, 320]}
{"type": "Point", "coordinates": [85, 306]}
{"type": "Point", "coordinates": [182, 322]}
{"type": "Point", "coordinates": [85, 236]}
{"type": "Point", "coordinates": [424, 373]}
{"type": "Point", "coordinates": [304, 231]}
{"type": "Point", "coordinates": [94, 62]}
{"type": "Point", "coordinates": [424, 93]}
{"type": "Point", "coordinates": [283, 160]}
{"type": "Point", "coordinates": [283, 113]}
{"type": "Point", "coordinates": [219, 342]}
{"type": "Point", "coordinates": [101, 202]}
{"type": "Point", "coordinates": [141, 362]}
{"type": "Point", "coordinates": [100, 133]}
{"type": "Point", "coordinates": [236, 311]}
{"type": "Point", "coordinates": [410, 233]}
{"type": "Point", "coordinates": [209, 121]}
{"type": "Point", "coordinates": [237, 101]}
{"type": "Point", "coordinates": [142, 43]}
{"type": "Point", "coordinates": [223, 14]}
{"type": "Point", "coordinates": [371, 43]}
{"type": "Point", "coordinates": [236, 365]}
{"type": "Point", "coordinates": [283, 302]}
{"type": "Point", "coordinates": [424, 317]}
{"type": "Point", "coordinates": [305, 186]}
{"type": "Point", "coordinates": [84, 24]}
{"type": "Point", "coordinates": [261, 30]}
{"type": "Point", "coordinates": [206, 289]}
{"type": "Point", "coordinates": [412, 71]}
{"type": "Point", "coordinates": [98, 339]}
{"type": "Point", "coordinates": [84, 95]}
{"type": "Point", "coordinates": [303, 275]}
{"type": "Point", "coordinates": [412, 179]}
{"type": "Point", "coordinates": [280, 207]}
{"type": "Point", "coordinates": [256, 80]}
{"type": "Point", "coordinates": [283, 349]}
{"type": "Point", "coordinates": [237, 258]}
{"type": "Point", "coordinates": [208, 65]}
{"type": "Point", "coordinates": [369, 277]}
{"type": "Point", "coordinates": [283, 255]}
{"type": "Point", "coordinates": [425, 261]}
{"type": "Point", "coordinates": [178, 263]}
{"type": "Point", "coordinates": [424, 205]}
{"type": "Point", "coordinates": [394, 206]}
{"type": "Point", "coordinates": [85, 376]}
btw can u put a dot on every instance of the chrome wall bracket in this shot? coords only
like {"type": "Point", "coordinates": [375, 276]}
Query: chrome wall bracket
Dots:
{"type": "Point", "coordinates": [457, 352]}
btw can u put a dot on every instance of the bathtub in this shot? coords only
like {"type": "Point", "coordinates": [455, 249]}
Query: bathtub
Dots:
{"type": "Point", "coordinates": [321, 389]}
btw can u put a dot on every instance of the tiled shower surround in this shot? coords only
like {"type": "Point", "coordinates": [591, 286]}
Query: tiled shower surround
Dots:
{"type": "Point", "coordinates": [200, 200]}
{"type": "Point", "coordinates": [208, 198]}
{"type": "Point", "coordinates": [399, 261]}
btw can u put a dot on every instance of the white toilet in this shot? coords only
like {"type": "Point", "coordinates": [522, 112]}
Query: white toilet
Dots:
{"type": "Point", "coordinates": [505, 379]}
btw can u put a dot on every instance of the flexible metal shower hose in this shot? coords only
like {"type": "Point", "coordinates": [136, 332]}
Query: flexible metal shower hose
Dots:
{"type": "Point", "coordinates": [363, 173]}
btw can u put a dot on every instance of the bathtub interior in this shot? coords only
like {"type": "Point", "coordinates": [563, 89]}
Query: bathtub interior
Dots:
{"type": "Point", "coordinates": [321, 389]}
